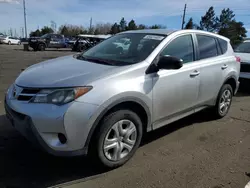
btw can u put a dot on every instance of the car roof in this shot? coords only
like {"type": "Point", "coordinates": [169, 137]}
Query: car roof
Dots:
{"type": "Point", "coordinates": [95, 36]}
{"type": "Point", "coordinates": [180, 31]}
{"type": "Point", "coordinates": [152, 31]}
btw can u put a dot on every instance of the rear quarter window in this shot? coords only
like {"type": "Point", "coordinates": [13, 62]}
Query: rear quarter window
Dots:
{"type": "Point", "coordinates": [223, 45]}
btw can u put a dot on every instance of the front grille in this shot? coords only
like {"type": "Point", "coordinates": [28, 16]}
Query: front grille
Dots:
{"type": "Point", "coordinates": [245, 67]}
{"type": "Point", "coordinates": [26, 94]}
{"type": "Point", "coordinates": [30, 91]}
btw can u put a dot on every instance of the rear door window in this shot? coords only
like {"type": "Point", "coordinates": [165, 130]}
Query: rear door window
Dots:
{"type": "Point", "coordinates": [207, 46]}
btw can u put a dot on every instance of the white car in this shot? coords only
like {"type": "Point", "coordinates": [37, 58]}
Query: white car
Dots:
{"type": "Point", "coordinates": [243, 51]}
{"type": "Point", "coordinates": [10, 40]}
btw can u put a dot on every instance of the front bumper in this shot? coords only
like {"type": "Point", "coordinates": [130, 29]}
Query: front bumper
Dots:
{"type": "Point", "coordinates": [41, 124]}
{"type": "Point", "coordinates": [33, 44]}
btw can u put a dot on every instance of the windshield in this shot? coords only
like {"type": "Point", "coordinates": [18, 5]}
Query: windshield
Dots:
{"type": "Point", "coordinates": [44, 36]}
{"type": "Point", "coordinates": [124, 49]}
{"type": "Point", "coordinates": [243, 47]}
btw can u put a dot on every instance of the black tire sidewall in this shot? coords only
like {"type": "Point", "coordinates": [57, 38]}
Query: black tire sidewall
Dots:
{"type": "Point", "coordinates": [106, 124]}
{"type": "Point", "coordinates": [224, 87]}
{"type": "Point", "coordinates": [41, 47]}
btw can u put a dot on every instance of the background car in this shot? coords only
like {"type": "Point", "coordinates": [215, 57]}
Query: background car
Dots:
{"type": "Point", "coordinates": [85, 42]}
{"type": "Point", "coordinates": [10, 40]}
{"type": "Point", "coordinates": [47, 41]}
{"type": "Point", "coordinates": [243, 51]}
{"type": "Point", "coordinates": [70, 41]}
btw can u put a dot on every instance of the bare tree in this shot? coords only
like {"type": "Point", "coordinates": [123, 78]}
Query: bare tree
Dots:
{"type": "Point", "coordinates": [102, 28]}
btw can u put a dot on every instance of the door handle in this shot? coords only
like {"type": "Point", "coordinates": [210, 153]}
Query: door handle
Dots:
{"type": "Point", "coordinates": [224, 67]}
{"type": "Point", "coordinates": [195, 73]}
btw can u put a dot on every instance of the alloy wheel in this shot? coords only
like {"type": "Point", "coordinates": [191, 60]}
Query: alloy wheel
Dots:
{"type": "Point", "coordinates": [225, 101]}
{"type": "Point", "coordinates": [120, 140]}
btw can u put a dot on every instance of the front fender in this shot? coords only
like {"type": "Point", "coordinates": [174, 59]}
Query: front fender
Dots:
{"type": "Point", "coordinates": [116, 100]}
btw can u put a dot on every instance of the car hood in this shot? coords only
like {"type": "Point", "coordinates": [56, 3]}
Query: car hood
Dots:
{"type": "Point", "coordinates": [244, 57]}
{"type": "Point", "coordinates": [64, 72]}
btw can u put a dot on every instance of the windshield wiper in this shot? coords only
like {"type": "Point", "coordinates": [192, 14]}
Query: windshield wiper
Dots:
{"type": "Point", "coordinates": [96, 60]}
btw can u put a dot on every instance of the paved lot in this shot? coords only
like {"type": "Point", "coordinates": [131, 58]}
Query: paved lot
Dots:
{"type": "Point", "coordinates": [196, 152]}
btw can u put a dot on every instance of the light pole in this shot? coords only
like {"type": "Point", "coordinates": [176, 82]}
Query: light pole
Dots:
{"type": "Point", "coordinates": [24, 13]}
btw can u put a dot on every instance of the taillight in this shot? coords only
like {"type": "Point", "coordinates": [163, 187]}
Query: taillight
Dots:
{"type": "Point", "coordinates": [238, 59]}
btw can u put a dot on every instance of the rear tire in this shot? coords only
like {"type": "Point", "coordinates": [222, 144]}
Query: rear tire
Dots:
{"type": "Point", "coordinates": [41, 47]}
{"type": "Point", "coordinates": [224, 101]}
{"type": "Point", "coordinates": [117, 139]}
{"type": "Point", "coordinates": [81, 48]}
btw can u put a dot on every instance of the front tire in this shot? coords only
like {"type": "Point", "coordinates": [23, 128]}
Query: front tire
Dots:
{"type": "Point", "coordinates": [9, 43]}
{"type": "Point", "coordinates": [224, 101]}
{"type": "Point", "coordinates": [118, 138]}
{"type": "Point", "coordinates": [41, 47]}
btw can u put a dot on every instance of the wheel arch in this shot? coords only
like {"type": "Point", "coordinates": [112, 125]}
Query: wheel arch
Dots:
{"type": "Point", "coordinates": [40, 42]}
{"type": "Point", "coordinates": [132, 103]}
{"type": "Point", "coordinates": [231, 80]}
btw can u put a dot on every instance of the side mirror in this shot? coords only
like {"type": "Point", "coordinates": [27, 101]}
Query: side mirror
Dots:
{"type": "Point", "coordinates": [165, 62]}
{"type": "Point", "coordinates": [169, 62]}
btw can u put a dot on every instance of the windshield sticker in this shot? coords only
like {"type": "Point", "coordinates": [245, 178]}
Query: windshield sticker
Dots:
{"type": "Point", "coordinates": [153, 37]}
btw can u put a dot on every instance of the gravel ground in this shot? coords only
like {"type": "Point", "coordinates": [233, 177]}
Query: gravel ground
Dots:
{"type": "Point", "coordinates": [195, 152]}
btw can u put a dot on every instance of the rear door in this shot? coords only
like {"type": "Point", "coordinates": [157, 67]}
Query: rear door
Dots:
{"type": "Point", "coordinates": [61, 41]}
{"type": "Point", "coordinates": [53, 43]}
{"type": "Point", "coordinates": [213, 68]}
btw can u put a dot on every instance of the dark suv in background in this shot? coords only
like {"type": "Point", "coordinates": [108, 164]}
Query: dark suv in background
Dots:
{"type": "Point", "coordinates": [47, 41]}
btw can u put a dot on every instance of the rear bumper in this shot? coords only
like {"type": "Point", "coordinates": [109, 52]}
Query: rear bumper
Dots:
{"type": "Point", "coordinates": [237, 87]}
{"type": "Point", "coordinates": [245, 75]}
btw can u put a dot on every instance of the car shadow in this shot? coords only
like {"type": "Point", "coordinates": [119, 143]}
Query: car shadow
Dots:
{"type": "Point", "coordinates": [23, 165]}
{"type": "Point", "coordinates": [202, 116]}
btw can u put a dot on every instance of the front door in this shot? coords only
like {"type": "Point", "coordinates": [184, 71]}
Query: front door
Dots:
{"type": "Point", "coordinates": [176, 91]}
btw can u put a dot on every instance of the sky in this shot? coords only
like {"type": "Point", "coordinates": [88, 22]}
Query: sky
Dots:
{"type": "Point", "coordinates": [165, 12]}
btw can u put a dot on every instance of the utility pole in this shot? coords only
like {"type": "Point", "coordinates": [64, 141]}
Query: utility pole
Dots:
{"type": "Point", "coordinates": [53, 26]}
{"type": "Point", "coordinates": [24, 13]}
{"type": "Point", "coordinates": [90, 24]}
{"type": "Point", "coordinates": [22, 32]}
{"type": "Point", "coordinates": [184, 15]}
{"type": "Point", "coordinates": [11, 33]}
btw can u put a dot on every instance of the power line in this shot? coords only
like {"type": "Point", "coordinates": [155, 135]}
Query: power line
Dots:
{"type": "Point", "coordinates": [183, 17]}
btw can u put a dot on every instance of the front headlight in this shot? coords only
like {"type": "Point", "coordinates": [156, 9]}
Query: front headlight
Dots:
{"type": "Point", "coordinates": [60, 96]}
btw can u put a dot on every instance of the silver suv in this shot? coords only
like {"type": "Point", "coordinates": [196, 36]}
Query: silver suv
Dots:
{"type": "Point", "coordinates": [104, 100]}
